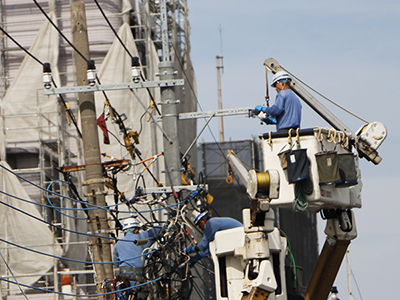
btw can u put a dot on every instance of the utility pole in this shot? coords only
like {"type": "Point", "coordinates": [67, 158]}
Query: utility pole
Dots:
{"type": "Point", "coordinates": [220, 67]}
{"type": "Point", "coordinates": [93, 168]}
{"type": "Point", "coordinates": [169, 107]}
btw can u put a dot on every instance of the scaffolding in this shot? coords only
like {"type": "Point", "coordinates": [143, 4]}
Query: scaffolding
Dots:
{"type": "Point", "coordinates": [55, 144]}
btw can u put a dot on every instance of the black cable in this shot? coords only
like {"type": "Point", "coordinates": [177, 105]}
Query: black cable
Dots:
{"type": "Point", "coordinates": [74, 192]}
{"type": "Point", "coordinates": [20, 46]}
{"type": "Point", "coordinates": [114, 111]}
{"type": "Point", "coordinates": [140, 122]}
{"type": "Point", "coordinates": [354, 277]}
{"type": "Point", "coordinates": [69, 43]}
{"type": "Point", "coordinates": [71, 115]}
{"type": "Point", "coordinates": [59, 31]}
{"type": "Point", "coordinates": [197, 101]}
{"type": "Point", "coordinates": [126, 49]}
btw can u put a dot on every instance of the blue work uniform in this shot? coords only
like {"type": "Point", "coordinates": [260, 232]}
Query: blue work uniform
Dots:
{"type": "Point", "coordinates": [125, 248]}
{"type": "Point", "coordinates": [286, 110]}
{"type": "Point", "coordinates": [127, 256]}
{"type": "Point", "coordinates": [211, 227]}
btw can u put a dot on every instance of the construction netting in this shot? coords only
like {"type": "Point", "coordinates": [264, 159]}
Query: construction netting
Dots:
{"type": "Point", "coordinates": [22, 226]}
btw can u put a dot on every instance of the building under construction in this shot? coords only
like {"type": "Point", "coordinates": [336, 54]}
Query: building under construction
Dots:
{"type": "Point", "coordinates": [40, 134]}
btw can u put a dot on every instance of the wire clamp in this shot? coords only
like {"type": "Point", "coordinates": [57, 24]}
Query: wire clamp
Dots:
{"type": "Point", "coordinates": [96, 194]}
{"type": "Point", "coordinates": [169, 102]}
{"type": "Point", "coordinates": [173, 170]}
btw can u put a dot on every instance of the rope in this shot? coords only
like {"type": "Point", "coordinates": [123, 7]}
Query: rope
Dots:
{"type": "Point", "coordinates": [291, 258]}
{"type": "Point", "coordinates": [326, 98]}
{"type": "Point", "coordinates": [302, 189]}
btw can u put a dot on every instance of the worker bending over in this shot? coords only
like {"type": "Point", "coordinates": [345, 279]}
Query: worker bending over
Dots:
{"type": "Point", "coordinates": [127, 255]}
{"type": "Point", "coordinates": [287, 107]}
{"type": "Point", "coordinates": [210, 227]}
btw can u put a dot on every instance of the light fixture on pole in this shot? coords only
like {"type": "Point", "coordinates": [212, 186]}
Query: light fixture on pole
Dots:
{"type": "Point", "coordinates": [135, 69]}
{"type": "Point", "coordinates": [334, 293]}
{"type": "Point", "coordinates": [91, 72]}
{"type": "Point", "coordinates": [47, 75]}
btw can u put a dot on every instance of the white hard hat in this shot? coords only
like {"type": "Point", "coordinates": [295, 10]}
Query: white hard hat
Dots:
{"type": "Point", "coordinates": [280, 75]}
{"type": "Point", "coordinates": [130, 223]}
{"type": "Point", "coordinates": [198, 216]}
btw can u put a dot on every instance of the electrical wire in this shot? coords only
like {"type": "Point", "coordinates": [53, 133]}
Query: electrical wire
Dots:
{"type": "Point", "coordinates": [51, 204]}
{"type": "Point", "coordinates": [355, 280]}
{"type": "Point", "coordinates": [69, 230]}
{"type": "Point", "coordinates": [209, 127]}
{"type": "Point", "coordinates": [202, 280]}
{"type": "Point", "coordinates": [12, 273]}
{"type": "Point", "coordinates": [55, 226]}
{"type": "Point", "coordinates": [128, 52]}
{"type": "Point", "coordinates": [126, 49]}
{"type": "Point", "coordinates": [97, 207]}
{"type": "Point", "coordinates": [71, 259]}
{"type": "Point", "coordinates": [78, 295]}
{"type": "Point", "coordinates": [326, 98]}
{"type": "Point", "coordinates": [71, 115]}
{"type": "Point", "coordinates": [66, 197]}
{"type": "Point", "coordinates": [198, 291]}
{"type": "Point", "coordinates": [69, 43]}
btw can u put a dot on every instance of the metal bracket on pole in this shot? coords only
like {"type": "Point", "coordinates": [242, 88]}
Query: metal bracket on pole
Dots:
{"type": "Point", "coordinates": [168, 189]}
{"type": "Point", "coordinates": [213, 113]}
{"type": "Point", "coordinates": [111, 87]}
{"type": "Point", "coordinates": [197, 137]}
{"type": "Point", "coordinates": [169, 102]}
{"type": "Point", "coordinates": [172, 170]}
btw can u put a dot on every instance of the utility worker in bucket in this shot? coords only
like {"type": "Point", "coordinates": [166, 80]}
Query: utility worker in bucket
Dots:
{"type": "Point", "coordinates": [127, 256]}
{"type": "Point", "coordinates": [286, 111]}
{"type": "Point", "coordinates": [210, 227]}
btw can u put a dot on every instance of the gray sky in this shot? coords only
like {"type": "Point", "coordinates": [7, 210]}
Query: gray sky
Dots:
{"type": "Point", "coordinates": [348, 51]}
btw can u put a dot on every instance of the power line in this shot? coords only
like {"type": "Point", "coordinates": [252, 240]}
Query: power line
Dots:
{"type": "Point", "coordinates": [71, 259]}
{"type": "Point", "coordinates": [66, 197]}
{"type": "Point", "coordinates": [71, 115]}
{"type": "Point", "coordinates": [12, 273]}
{"type": "Point", "coordinates": [326, 98]}
{"type": "Point", "coordinates": [126, 49]}
{"type": "Point", "coordinates": [78, 295]}
{"type": "Point", "coordinates": [98, 207]}
{"type": "Point", "coordinates": [358, 289]}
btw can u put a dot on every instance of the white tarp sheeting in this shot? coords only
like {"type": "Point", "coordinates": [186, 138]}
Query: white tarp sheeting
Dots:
{"type": "Point", "coordinates": [24, 230]}
{"type": "Point", "coordinates": [116, 68]}
{"type": "Point", "coordinates": [24, 99]}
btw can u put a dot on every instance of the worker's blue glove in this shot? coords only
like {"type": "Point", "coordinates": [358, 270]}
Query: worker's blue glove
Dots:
{"type": "Point", "coordinates": [195, 259]}
{"type": "Point", "coordinates": [188, 249]}
{"type": "Point", "coordinates": [259, 108]}
{"type": "Point", "coordinates": [269, 120]}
